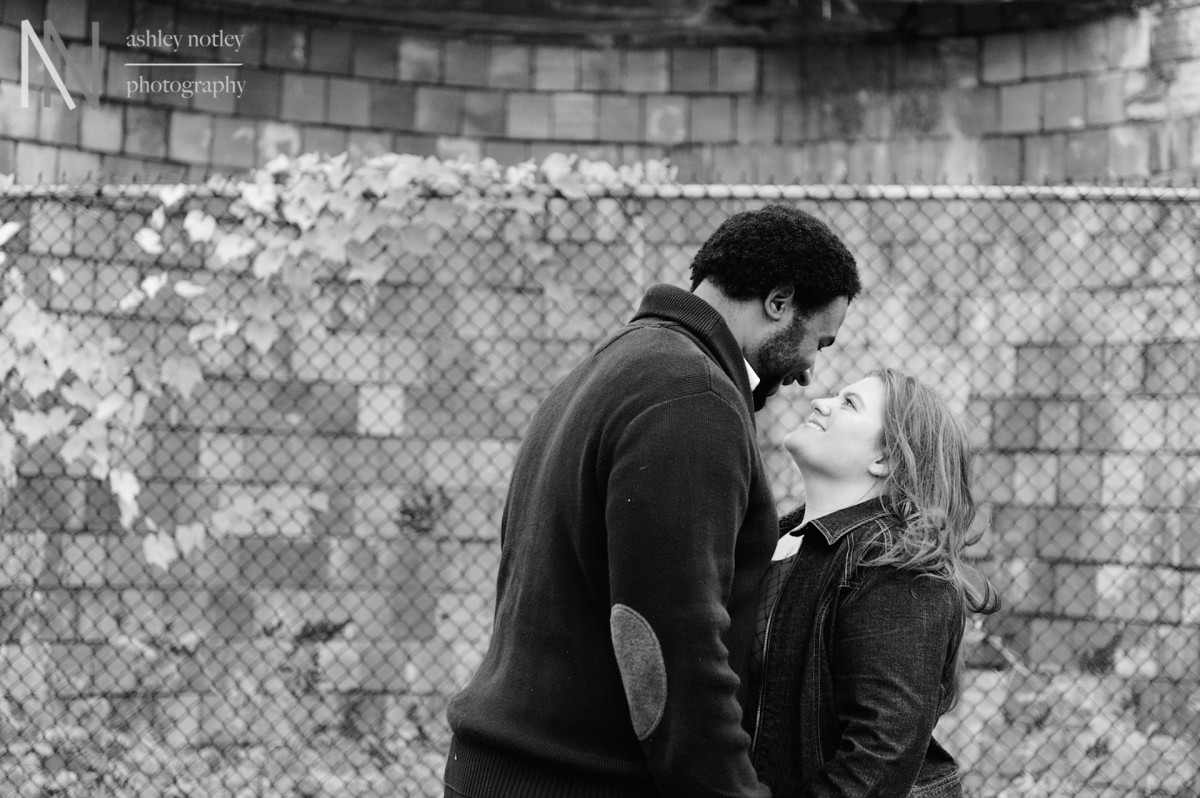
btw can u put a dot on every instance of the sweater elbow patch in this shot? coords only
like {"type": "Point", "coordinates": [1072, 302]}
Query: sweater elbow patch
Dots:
{"type": "Point", "coordinates": [643, 670]}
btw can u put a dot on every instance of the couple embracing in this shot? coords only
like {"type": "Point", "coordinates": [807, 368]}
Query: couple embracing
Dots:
{"type": "Point", "coordinates": [660, 630]}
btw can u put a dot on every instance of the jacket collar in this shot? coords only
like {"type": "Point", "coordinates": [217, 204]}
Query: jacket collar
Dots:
{"type": "Point", "coordinates": [707, 325]}
{"type": "Point", "coordinates": [837, 525]}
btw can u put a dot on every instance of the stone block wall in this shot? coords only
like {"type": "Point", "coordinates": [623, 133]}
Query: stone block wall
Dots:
{"type": "Point", "coordinates": [361, 478]}
{"type": "Point", "coordinates": [1112, 98]}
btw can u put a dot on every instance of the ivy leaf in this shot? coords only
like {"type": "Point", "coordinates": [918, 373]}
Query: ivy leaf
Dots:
{"type": "Point", "coordinates": [269, 262]}
{"type": "Point", "coordinates": [36, 426]}
{"type": "Point", "coordinates": [158, 219]}
{"type": "Point", "coordinates": [80, 394]}
{"type": "Point", "coordinates": [441, 212]}
{"type": "Point", "coordinates": [130, 301]}
{"type": "Point", "coordinates": [199, 226]}
{"type": "Point", "coordinates": [261, 197]}
{"type": "Point", "coordinates": [149, 240]}
{"type": "Point", "coordinates": [154, 283]}
{"type": "Point", "coordinates": [415, 238]}
{"type": "Point", "coordinates": [159, 549]}
{"type": "Point", "coordinates": [189, 290]}
{"type": "Point", "coordinates": [90, 435]}
{"type": "Point", "coordinates": [108, 406]}
{"type": "Point", "coordinates": [233, 247]}
{"type": "Point", "coordinates": [27, 323]}
{"type": "Point", "coordinates": [7, 231]}
{"type": "Point", "coordinates": [190, 537]}
{"type": "Point", "coordinates": [369, 270]}
{"type": "Point", "coordinates": [261, 334]}
{"type": "Point", "coordinates": [125, 487]}
{"type": "Point", "coordinates": [38, 381]}
{"type": "Point", "coordinates": [170, 196]}
{"type": "Point", "coordinates": [8, 458]}
{"type": "Point", "coordinates": [182, 372]}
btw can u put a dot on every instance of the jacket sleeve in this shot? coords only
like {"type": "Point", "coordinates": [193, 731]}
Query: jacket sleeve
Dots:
{"type": "Point", "coordinates": [887, 656]}
{"type": "Point", "coordinates": [677, 492]}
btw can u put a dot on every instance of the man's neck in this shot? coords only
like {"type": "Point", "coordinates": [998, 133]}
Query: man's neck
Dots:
{"type": "Point", "coordinates": [737, 314]}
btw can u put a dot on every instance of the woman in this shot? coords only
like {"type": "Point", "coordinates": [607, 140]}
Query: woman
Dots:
{"type": "Point", "coordinates": [864, 606]}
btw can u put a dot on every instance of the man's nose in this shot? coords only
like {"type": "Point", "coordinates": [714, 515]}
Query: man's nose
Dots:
{"type": "Point", "coordinates": [805, 377]}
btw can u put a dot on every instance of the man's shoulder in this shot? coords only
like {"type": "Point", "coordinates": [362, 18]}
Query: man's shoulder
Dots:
{"type": "Point", "coordinates": [661, 355]}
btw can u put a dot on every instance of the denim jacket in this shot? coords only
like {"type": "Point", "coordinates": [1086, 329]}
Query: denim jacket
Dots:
{"type": "Point", "coordinates": [857, 668]}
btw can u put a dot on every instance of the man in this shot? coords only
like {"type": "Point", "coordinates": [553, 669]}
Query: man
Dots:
{"type": "Point", "coordinates": [638, 523]}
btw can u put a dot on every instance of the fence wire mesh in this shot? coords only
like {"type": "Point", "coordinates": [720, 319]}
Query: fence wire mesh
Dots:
{"type": "Point", "coordinates": [334, 499]}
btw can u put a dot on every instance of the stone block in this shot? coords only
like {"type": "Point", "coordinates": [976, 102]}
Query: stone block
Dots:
{"type": "Point", "coordinates": [303, 98]}
{"type": "Point", "coordinates": [217, 102]}
{"type": "Point", "coordinates": [1074, 589]}
{"type": "Point", "coordinates": [737, 69]}
{"type": "Point", "coordinates": [711, 120]}
{"type": "Point", "coordinates": [646, 71]}
{"type": "Point", "coordinates": [510, 67]}
{"type": "Point", "coordinates": [342, 357]}
{"type": "Point", "coordinates": [190, 137]}
{"type": "Point", "coordinates": [1046, 160]}
{"type": "Point", "coordinates": [253, 42]}
{"type": "Point", "coordinates": [599, 70]}
{"type": "Point", "coordinates": [419, 59]}
{"type": "Point", "coordinates": [574, 116]}
{"type": "Point", "coordinates": [1021, 108]}
{"type": "Point", "coordinates": [233, 143]}
{"type": "Point", "coordinates": [286, 46]}
{"type": "Point", "coordinates": [1063, 104]}
{"type": "Point", "coordinates": [1080, 479]}
{"type": "Point", "coordinates": [1087, 152]}
{"type": "Point", "coordinates": [1129, 149]}
{"type": "Point", "coordinates": [314, 138]}
{"type": "Point", "coordinates": [1086, 47]}
{"type": "Point", "coordinates": [1001, 58]}
{"type": "Point", "coordinates": [555, 68]}
{"type": "Point", "coordinates": [146, 131]}
{"type": "Point", "coordinates": [262, 93]}
{"type": "Point", "coordinates": [529, 116]}
{"type": "Point", "coordinates": [1124, 480]}
{"type": "Point", "coordinates": [782, 71]}
{"type": "Point", "coordinates": [330, 50]}
{"type": "Point", "coordinates": [1046, 53]}
{"type": "Point", "coordinates": [381, 410]}
{"type": "Point", "coordinates": [467, 63]}
{"type": "Point", "coordinates": [758, 120]}
{"type": "Point", "coordinates": [384, 664]}
{"type": "Point", "coordinates": [667, 119]}
{"type": "Point", "coordinates": [57, 124]}
{"type": "Point", "coordinates": [692, 70]}
{"type": "Point", "coordinates": [439, 110]}
{"type": "Point", "coordinates": [375, 55]}
{"type": "Point", "coordinates": [483, 114]}
{"type": "Point", "coordinates": [1001, 160]}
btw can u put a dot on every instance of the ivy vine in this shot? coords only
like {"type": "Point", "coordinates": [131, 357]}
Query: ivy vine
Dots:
{"type": "Point", "coordinates": [300, 226]}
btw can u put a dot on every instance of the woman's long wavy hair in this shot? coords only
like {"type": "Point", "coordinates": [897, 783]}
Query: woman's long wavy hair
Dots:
{"type": "Point", "coordinates": [929, 454]}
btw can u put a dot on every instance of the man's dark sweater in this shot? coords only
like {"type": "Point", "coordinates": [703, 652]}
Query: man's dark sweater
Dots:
{"type": "Point", "coordinates": [638, 523]}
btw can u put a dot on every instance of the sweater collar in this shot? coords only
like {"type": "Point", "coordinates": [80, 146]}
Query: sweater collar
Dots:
{"type": "Point", "coordinates": [703, 321]}
{"type": "Point", "coordinates": [837, 525]}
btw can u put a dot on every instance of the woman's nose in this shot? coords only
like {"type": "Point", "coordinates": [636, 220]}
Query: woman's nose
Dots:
{"type": "Point", "coordinates": [821, 405]}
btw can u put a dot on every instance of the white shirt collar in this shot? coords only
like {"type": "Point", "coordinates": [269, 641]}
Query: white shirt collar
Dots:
{"type": "Point", "coordinates": [752, 374]}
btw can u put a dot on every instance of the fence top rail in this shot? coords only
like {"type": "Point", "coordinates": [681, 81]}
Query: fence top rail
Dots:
{"type": "Point", "coordinates": [749, 191]}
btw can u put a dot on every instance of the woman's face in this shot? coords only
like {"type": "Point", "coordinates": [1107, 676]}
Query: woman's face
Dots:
{"type": "Point", "coordinates": [841, 437]}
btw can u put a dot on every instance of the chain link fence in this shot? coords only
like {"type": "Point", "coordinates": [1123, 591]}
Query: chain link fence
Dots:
{"type": "Point", "coordinates": [332, 500]}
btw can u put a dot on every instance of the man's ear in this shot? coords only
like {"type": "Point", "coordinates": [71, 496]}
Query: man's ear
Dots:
{"type": "Point", "coordinates": [778, 301]}
{"type": "Point", "coordinates": [879, 468]}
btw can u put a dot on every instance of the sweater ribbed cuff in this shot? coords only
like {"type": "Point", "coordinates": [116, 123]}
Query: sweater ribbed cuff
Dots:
{"type": "Point", "coordinates": [481, 771]}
